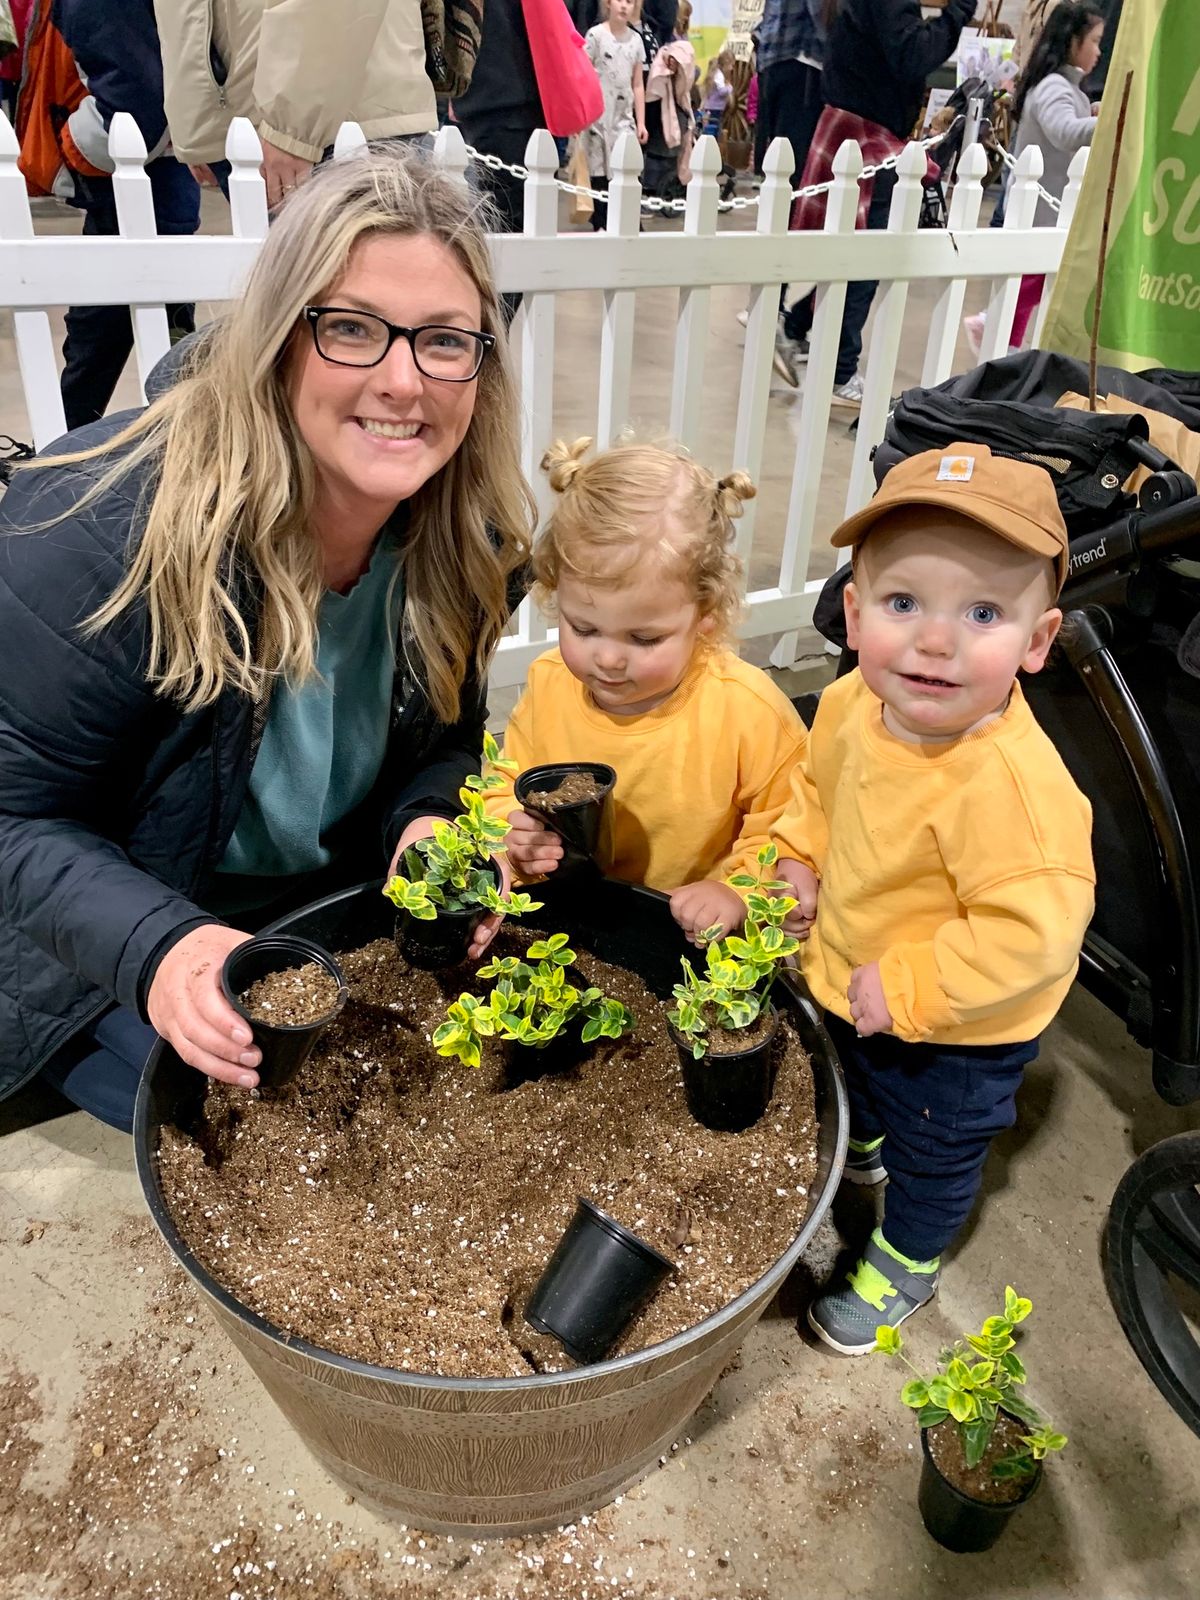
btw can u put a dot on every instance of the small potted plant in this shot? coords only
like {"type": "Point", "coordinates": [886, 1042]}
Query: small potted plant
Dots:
{"type": "Point", "coordinates": [534, 1009]}
{"type": "Point", "coordinates": [573, 799]}
{"type": "Point", "coordinates": [983, 1443]}
{"type": "Point", "coordinates": [723, 1022]}
{"type": "Point", "coordinates": [451, 881]}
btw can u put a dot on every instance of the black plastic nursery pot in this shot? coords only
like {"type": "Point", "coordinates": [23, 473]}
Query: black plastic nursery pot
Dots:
{"type": "Point", "coordinates": [498, 1456]}
{"type": "Point", "coordinates": [729, 1092]}
{"type": "Point", "coordinates": [594, 1284]}
{"type": "Point", "coordinates": [957, 1521]}
{"type": "Point", "coordinates": [525, 1063]}
{"type": "Point", "coordinates": [285, 1048]}
{"type": "Point", "coordinates": [444, 940]}
{"type": "Point", "coordinates": [578, 825]}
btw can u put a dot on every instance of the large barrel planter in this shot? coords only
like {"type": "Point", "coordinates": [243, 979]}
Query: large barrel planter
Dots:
{"type": "Point", "coordinates": [495, 1456]}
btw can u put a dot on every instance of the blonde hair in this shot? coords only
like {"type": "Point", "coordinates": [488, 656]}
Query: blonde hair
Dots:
{"type": "Point", "coordinates": [636, 502]}
{"type": "Point", "coordinates": [233, 484]}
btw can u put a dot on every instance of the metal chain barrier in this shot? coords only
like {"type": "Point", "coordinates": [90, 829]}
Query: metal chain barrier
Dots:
{"type": "Point", "coordinates": [1010, 161]}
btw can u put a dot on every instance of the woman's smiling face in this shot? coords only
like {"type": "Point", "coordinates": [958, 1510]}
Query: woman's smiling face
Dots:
{"type": "Point", "coordinates": [378, 434]}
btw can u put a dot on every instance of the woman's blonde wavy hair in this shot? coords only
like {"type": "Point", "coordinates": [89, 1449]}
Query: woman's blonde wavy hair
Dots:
{"type": "Point", "coordinates": [636, 503]}
{"type": "Point", "coordinates": [233, 483]}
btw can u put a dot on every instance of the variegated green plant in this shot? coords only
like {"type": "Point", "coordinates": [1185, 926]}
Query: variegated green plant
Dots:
{"type": "Point", "coordinates": [980, 1376]}
{"type": "Point", "coordinates": [452, 870]}
{"type": "Point", "coordinates": [529, 1004]}
{"type": "Point", "coordinates": [739, 969]}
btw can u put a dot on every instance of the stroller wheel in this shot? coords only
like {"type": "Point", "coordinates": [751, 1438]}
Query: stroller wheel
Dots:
{"type": "Point", "coordinates": [1152, 1267]}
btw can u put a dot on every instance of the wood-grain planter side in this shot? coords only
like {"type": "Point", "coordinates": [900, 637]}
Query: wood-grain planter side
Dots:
{"type": "Point", "coordinates": [497, 1456]}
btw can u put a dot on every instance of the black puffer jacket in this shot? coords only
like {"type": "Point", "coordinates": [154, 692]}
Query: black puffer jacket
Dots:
{"type": "Point", "coordinates": [115, 806]}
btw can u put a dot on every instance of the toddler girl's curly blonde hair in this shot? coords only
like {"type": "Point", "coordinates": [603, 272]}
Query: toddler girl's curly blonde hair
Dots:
{"type": "Point", "coordinates": [643, 503]}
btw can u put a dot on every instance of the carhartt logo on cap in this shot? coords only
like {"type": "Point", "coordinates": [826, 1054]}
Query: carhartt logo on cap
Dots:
{"type": "Point", "coordinates": [956, 469]}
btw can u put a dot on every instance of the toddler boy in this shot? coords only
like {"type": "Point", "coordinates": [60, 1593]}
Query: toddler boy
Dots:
{"type": "Point", "coordinates": [940, 853]}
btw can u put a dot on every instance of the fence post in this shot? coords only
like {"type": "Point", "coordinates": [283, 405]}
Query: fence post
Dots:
{"type": "Point", "coordinates": [841, 211]}
{"type": "Point", "coordinates": [947, 312]}
{"type": "Point", "coordinates": [537, 348]}
{"type": "Point", "coordinates": [348, 139]}
{"type": "Point", "coordinates": [774, 209]}
{"type": "Point", "coordinates": [1070, 199]}
{"type": "Point", "coordinates": [450, 152]}
{"type": "Point", "coordinates": [136, 220]}
{"type": "Point", "coordinates": [620, 305]}
{"type": "Point", "coordinates": [1019, 209]}
{"type": "Point", "coordinates": [691, 323]}
{"type": "Point", "coordinates": [247, 191]}
{"type": "Point", "coordinates": [884, 351]}
{"type": "Point", "coordinates": [31, 329]}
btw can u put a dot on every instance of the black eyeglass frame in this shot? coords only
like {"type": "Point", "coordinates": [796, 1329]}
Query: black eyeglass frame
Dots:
{"type": "Point", "coordinates": [487, 341]}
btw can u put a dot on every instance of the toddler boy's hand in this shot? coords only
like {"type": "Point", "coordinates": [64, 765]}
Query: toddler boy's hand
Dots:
{"type": "Point", "coordinates": [706, 904]}
{"type": "Point", "coordinates": [533, 849]}
{"type": "Point", "coordinates": [805, 886]}
{"type": "Point", "coordinates": [868, 1007]}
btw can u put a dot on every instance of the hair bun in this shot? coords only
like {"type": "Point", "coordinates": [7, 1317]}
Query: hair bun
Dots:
{"type": "Point", "coordinates": [562, 461]}
{"type": "Point", "coordinates": [732, 490]}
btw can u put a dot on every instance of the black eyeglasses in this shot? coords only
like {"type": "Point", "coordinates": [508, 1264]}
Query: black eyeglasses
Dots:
{"type": "Point", "coordinates": [361, 339]}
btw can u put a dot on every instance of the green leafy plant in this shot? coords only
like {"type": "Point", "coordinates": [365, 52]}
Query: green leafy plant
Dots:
{"type": "Point", "coordinates": [739, 969]}
{"type": "Point", "coordinates": [452, 870]}
{"type": "Point", "coordinates": [530, 1004]}
{"type": "Point", "coordinates": [980, 1375]}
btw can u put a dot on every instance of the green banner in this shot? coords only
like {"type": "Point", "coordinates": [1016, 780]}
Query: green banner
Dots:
{"type": "Point", "coordinates": [1151, 306]}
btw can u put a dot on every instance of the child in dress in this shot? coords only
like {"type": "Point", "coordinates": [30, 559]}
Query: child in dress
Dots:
{"type": "Point", "coordinates": [637, 563]}
{"type": "Point", "coordinates": [619, 57]}
{"type": "Point", "coordinates": [943, 850]}
{"type": "Point", "coordinates": [715, 92]}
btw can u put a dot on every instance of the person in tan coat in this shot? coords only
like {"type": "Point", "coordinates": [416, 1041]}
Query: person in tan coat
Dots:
{"type": "Point", "coordinates": [298, 69]}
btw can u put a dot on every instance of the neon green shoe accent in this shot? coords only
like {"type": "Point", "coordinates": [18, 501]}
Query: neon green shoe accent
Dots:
{"type": "Point", "coordinates": [866, 1147]}
{"type": "Point", "coordinates": [905, 1261]}
{"type": "Point", "coordinates": [869, 1284]}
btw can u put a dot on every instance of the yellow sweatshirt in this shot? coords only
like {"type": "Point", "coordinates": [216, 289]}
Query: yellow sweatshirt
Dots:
{"type": "Point", "coordinates": [964, 869]}
{"type": "Point", "coordinates": [700, 779]}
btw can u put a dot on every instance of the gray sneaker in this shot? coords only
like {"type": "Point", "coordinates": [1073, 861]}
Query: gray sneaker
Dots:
{"type": "Point", "coordinates": [848, 396]}
{"type": "Point", "coordinates": [879, 1290]}
{"type": "Point", "coordinates": [865, 1166]}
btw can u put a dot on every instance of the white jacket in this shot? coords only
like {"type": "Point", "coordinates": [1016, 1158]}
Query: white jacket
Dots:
{"type": "Point", "coordinates": [1057, 117]}
{"type": "Point", "coordinates": [297, 68]}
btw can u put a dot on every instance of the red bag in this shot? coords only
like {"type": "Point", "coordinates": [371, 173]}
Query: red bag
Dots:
{"type": "Point", "coordinates": [570, 91]}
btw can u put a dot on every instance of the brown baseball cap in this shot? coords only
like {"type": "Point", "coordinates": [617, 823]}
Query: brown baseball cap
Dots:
{"type": "Point", "coordinates": [1014, 499]}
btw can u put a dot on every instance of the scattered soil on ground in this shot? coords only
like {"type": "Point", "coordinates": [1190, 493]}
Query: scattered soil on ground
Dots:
{"type": "Point", "coordinates": [945, 1446]}
{"type": "Point", "coordinates": [576, 786]}
{"type": "Point", "coordinates": [292, 998]}
{"type": "Point", "coordinates": [396, 1207]}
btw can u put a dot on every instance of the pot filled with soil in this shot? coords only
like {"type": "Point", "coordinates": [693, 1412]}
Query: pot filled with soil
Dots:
{"type": "Point", "coordinates": [573, 799]}
{"type": "Point", "coordinates": [966, 1509]}
{"type": "Point", "coordinates": [288, 990]}
{"type": "Point", "coordinates": [595, 1282]}
{"type": "Point", "coordinates": [728, 1088]}
{"type": "Point", "coordinates": [429, 1199]}
{"type": "Point", "coordinates": [443, 939]}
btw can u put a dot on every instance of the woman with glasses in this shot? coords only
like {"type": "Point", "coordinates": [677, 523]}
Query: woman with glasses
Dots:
{"type": "Point", "coordinates": [244, 633]}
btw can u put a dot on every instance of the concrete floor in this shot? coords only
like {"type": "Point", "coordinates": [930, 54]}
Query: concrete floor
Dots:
{"type": "Point", "coordinates": [797, 1477]}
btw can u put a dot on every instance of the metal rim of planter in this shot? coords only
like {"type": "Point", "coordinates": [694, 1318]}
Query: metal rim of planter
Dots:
{"type": "Point", "coordinates": [815, 1039]}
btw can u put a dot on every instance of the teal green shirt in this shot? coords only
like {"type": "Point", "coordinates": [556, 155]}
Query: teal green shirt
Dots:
{"type": "Point", "coordinates": [322, 745]}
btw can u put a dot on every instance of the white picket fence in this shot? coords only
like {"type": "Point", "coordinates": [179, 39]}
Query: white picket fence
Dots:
{"type": "Point", "coordinates": [147, 272]}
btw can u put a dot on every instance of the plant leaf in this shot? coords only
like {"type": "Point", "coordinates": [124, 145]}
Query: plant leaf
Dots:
{"type": "Point", "coordinates": [930, 1416]}
{"type": "Point", "coordinates": [975, 1436]}
{"type": "Point", "coordinates": [1015, 1308]}
{"type": "Point", "coordinates": [888, 1339]}
{"type": "Point", "coordinates": [915, 1393]}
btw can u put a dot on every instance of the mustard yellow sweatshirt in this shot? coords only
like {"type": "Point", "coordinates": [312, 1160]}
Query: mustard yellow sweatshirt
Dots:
{"type": "Point", "coordinates": [700, 779]}
{"type": "Point", "coordinates": [964, 869]}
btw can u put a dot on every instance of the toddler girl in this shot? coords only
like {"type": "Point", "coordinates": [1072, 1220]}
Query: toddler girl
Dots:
{"type": "Point", "coordinates": [716, 92]}
{"type": "Point", "coordinates": [619, 56]}
{"type": "Point", "coordinates": [637, 563]}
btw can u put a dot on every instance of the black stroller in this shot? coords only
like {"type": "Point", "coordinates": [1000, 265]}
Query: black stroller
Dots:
{"type": "Point", "coordinates": [1121, 700]}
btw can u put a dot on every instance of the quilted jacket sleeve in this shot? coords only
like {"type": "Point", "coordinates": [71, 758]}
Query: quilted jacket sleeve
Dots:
{"type": "Point", "coordinates": [74, 712]}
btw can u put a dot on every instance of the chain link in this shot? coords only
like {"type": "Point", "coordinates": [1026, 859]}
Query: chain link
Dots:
{"type": "Point", "coordinates": [1010, 161]}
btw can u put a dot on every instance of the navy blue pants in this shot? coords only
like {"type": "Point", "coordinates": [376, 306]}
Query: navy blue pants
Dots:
{"type": "Point", "coordinates": [99, 338]}
{"type": "Point", "coordinates": [99, 1069]}
{"type": "Point", "coordinates": [938, 1110]}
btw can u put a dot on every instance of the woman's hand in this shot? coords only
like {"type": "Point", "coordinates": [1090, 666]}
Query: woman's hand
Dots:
{"type": "Point", "coordinates": [187, 1008]}
{"type": "Point", "coordinates": [281, 173]}
{"type": "Point", "coordinates": [532, 848]}
{"type": "Point", "coordinates": [706, 904]}
{"type": "Point", "coordinates": [805, 886]}
{"type": "Point", "coordinates": [422, 828]}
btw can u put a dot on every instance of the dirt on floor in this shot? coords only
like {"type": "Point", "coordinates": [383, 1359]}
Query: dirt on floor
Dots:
{"type": "Point", "coordinates": [395, 1206]}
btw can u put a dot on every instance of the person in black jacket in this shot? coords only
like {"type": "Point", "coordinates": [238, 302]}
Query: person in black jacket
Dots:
{"type": "Point", "coordinates": [116, 49]}
{"type": "Point", "coordinates": [244, 633]}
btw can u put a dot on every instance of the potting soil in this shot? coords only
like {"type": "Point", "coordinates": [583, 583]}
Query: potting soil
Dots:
{"type": "Point", "coordinates": [946, 1448]}
{"type": "Point", "coordinates": [574, 788]}
{"type": "Point", "coordinates": [292, 998]}
{"type": "Point", "coordinates": [395, 1206]}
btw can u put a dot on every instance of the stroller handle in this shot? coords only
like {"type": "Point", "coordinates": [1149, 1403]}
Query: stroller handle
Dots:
{"type": "Point", "coordinates": [1156, 531]}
